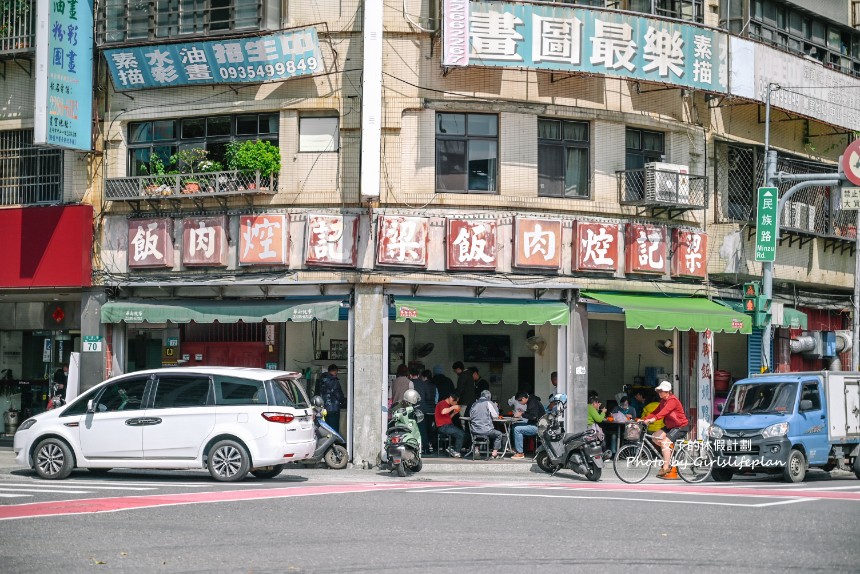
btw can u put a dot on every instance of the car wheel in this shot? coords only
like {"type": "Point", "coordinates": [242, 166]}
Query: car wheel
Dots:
{"type": "Point", "coordinates": [100, 471]}
{"type": "Point", "coordinates": [795, 467]}
{"type": "Point", "coordinates": [53, 459]}
{"type": "Point", "coordinates": [336, 457]}
{"type": "Point", "coordinates": [228, 461]}
{"type": "Point", "coordinates": [270, 472]}
{"type": "Point", "coordinates": [721, 474]}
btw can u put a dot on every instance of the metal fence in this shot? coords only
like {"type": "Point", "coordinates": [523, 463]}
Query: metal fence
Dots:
{"type": "Point", "coordinates": [657, 187]}
{"type": "Point", "coordinates": [17, 28]}
{"type": "Point", "coordinates": [188, 185]}
{"type": "Point", "coordinates": [739, 172]}
{"type": "Point", "coordinates": [29, 174]}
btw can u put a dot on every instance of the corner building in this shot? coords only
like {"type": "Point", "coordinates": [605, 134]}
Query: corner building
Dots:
{"type": "Point", "coordinates": [556, 187]}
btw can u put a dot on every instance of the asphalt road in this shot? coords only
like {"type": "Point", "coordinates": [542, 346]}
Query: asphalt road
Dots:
{"type": "Point", "coordinates": [313, 520]}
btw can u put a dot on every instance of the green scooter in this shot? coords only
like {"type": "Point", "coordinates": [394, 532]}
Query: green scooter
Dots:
{"type": "Point", "coordinates": [402, 450]}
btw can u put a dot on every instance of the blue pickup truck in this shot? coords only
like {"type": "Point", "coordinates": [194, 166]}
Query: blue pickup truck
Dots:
{"type": "Point", "coordinates": [785, 423]}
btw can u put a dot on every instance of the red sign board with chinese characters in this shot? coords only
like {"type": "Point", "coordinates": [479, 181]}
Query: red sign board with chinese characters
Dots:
{"type": "Point", "coordinates": [596, 246]}
{"type": "Point", "coordinates": [331, 240]}
{"type": "Point", "coordinates": [263, 239]}
{"type": "Point", "coordinates": [646, 249]}
{"type": "Point", "coordinates": [689, 253]}
{"type": "Point", "coordinates": [471, 244]}
{"type": "Point", "coordinates": [150, 243]}
{"type": "Point", "coordinates": [204, 241]}
{"type": "Point", "coordinates": [402, 240]}
{"type": "Point", "coordinates": [537, 243]}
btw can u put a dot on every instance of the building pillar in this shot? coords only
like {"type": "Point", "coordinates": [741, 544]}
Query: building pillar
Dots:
{"type": "Point", "coordinates": [578, 391]}
{"type": "Point", "coordinates": [92, 362]}
{"type": "Point", "coordinates": [368, 376]}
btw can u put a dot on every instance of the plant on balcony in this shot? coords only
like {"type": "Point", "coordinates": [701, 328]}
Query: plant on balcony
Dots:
{"type": "Point", "coordinates": [191, 161]}
{"type": "Point", "coordinates": [156, 185]}
{"type": "Point", "coordinates": [12, 11]}
{"type": "Point", "coordinates": [249, 157]}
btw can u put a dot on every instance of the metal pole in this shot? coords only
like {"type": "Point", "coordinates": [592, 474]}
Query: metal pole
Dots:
{"type": "Point", "coordinates": [855, 348]}
{"type": "Point", "coordinates": [767, 266]}
{"type": "Point", "coordinates": [767, 129]}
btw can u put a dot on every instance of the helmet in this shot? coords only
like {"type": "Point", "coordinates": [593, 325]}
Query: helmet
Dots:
{"type": "Point", "coordinates": [317, 402]}
{"type": "Point", "coordinates": [561, 397]}
{"type": "Point", "coordinates": [412, 397]}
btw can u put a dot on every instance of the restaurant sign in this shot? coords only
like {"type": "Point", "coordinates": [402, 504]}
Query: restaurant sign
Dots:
{"type": "Point", "coordinates": [689, 253]}
{"type": "Point", "coordinates": [596, 247]}
{"type": "Point", "coordinates": [537, 243]}
{"type": "Point", "coordinates": [252, 60]}
{"type": "Point", "coordinates": [560, 38]}
{"type": "Point", "coordinates": [263, 239]}
{"type": "Point", "coordinates": [331, 240]}
{"type": "Point", "coordinates": [471, 244]}
{"type": "Point", "coordinates": [204, 241]}
{"type": "Point", "coordinates": [646, 249]}
{"type": "Point", "coordinates": [402, 240]}
{"type": "Point", "coordinates": [150, 243]}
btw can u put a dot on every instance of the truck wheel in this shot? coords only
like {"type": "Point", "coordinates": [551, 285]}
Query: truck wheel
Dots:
{"type": "Point", "coordinates": [721, 474]}
{"type": "Point", "coordinates": [795, 467]}
{"type": "Point", "coordinates": [857, 466]}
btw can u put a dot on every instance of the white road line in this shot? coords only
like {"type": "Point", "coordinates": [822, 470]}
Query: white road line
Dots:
{"type": "Point", "coordinates": [792, 501]}
{"type": "Point", "coordinates": [629, 499]}
{"type": "Point", "coordinates": [88, 486]}
{"type": "Point", "coordinates": [40, 490]}
{"type": "Point", "coordinates": [2, 495]}
{"type": "Point", "coordinates": [628, 490]}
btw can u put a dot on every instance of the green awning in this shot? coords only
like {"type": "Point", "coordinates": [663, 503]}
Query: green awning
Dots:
{"type": "Point", "coordinates": [791, 318]}
{"type": "Point", "coordinates": [208, 311]}
{"type": "Point", "coordinates": [668, 312]}
{"type": "Point", "coordinates": [464, 310]}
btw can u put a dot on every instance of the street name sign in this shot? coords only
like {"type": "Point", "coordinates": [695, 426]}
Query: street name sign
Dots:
{"type": "Point", "coordinates": [766, 230]}
{"type": "Point", "coordinates": [850, 198]}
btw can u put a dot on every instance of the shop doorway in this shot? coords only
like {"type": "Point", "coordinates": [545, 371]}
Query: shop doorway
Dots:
{"type": "Point", "coordinates": [526, 375]}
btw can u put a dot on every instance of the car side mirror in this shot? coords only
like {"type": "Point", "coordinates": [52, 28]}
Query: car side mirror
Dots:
{"type": "Point", "coordinates": [805, 405]}
{"type": "Point", "coordinates": [91, 408]}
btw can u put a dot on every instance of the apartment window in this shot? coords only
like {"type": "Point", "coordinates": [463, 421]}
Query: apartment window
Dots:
{"type": "Point", "coordinates": [318, 134]}
{"type": "Point", "coordinates": [165, 137]}
{"type": "Point", "coordinates": [643, 147]}
{"type": "Point", "coordinates": [467, 152]}
{"type": "Point", "coordinates": [29, 174]}
{"type": "Point", "coordinates": [691, 10]}
{"type": "Point", "coordinates": [132, 20]}
{"type": "Point", "coordinates": [562, 158]}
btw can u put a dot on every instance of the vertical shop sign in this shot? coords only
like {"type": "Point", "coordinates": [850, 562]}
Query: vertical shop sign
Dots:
{"type": "Point", "coordinates": [537, 243]}
{"type": "Point", "coordinates": [471, 244]}
{"type": "Point", "coordinates": [455, 38]}
{"type": "Point", "coordinates": [689, 253]}
{"type": "Point", "coordinates": [263, 239]}
{"type": "Point", "coordinates": [646, 249]}
{"type": "Point", "coordinates": [705, 386]}
{"type": "Point", "coordinates": [331, 240]}
{"type": "Point", "coordinates": [63, 112]}
{"type": "Point", "coordinates": [204, 241]}
{"type": "Point", "coordinates": [596, 247]}
{"type": "Point", "coordinates": [402, 240]}
{"type": "Point", "coordinates": [150, 243]}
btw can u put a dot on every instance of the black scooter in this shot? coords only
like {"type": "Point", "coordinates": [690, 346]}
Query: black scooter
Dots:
{"type": "Point", "coordinates": [331, 447]}
{"type": "Point", "coordinates": [580, 452]}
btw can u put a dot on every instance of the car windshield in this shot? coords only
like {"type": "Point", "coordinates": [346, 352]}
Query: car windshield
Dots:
{"type": "Point", "coordinates": [758, 398]}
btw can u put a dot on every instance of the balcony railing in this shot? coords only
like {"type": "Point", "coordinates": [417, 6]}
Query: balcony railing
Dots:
{"type": "Point", "coordinates": [658, 188]}
{"type": "Point", "coordinates": [18, 29]}
{"type": "Point", "coordinates": [188, 186]}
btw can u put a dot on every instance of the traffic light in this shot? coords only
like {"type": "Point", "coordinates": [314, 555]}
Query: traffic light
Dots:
{"type": "Point", "coordinates": [756, 304]}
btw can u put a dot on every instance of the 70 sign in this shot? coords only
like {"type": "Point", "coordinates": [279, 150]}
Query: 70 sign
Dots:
{"type": "Point", "coordinates": [92, 344]}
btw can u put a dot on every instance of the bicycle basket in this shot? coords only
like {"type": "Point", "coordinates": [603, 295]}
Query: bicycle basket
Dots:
{"type": "Point", "coordinates": [633, 432]}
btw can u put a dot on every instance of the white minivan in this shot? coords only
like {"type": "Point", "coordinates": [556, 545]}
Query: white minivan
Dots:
{"type": "Point", "coordinates": [230, 420]}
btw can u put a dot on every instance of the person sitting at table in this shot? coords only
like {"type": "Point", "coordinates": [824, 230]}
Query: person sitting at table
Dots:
{"type": "Point", "coordinates": [623, 412]}
{"type": "Point", "coordinates": [483, 413]}
{"type": "Point", "coordinates": [528, 427]}
{"type": "Point", "coordinates": [445, 410]}
{"type": "Point", "coordinates": [596, 417]}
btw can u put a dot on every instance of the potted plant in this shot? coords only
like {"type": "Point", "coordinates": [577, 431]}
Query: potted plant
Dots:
{"type": "Point", "coordinates": [249, 157]}
{"type": "Point", "coordinates": [155, 167]}
{"type": "Point", "coordinates": [189, 161]}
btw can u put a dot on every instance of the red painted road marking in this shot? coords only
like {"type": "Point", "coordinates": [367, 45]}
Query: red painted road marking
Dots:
{"type": "Point", "coordinates": [94, 505]}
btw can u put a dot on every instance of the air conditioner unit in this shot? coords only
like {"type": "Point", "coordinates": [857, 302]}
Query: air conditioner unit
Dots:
{"type": "Point", "coordinates": [662, 185]}
{"type": "Point", "coordinates": [797, 215]}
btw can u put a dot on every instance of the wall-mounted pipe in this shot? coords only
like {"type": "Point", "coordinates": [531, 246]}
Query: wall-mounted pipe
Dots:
{"type": "Point", "coordinates": [802, 344]}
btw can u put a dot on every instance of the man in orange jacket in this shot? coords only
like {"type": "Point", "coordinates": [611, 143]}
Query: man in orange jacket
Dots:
{"type": "Point", "coordinates": [677, 426]}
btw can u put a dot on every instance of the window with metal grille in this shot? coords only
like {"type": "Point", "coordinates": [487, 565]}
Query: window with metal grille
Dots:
{"type": "Point", "coordinates": [562, 158]}
{"type": "Point", "coordinates": [29, 174]}
{"type": "Point", "coordinates": [212, 133]}
{"type": "Point", "coordinates": [691, 10]}
{"type": "Point", "coordinates": [142, 20]}
{"type": "Point", "coordinates": [467, 152]}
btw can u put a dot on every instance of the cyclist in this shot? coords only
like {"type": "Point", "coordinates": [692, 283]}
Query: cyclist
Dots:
{"type": "Point", "coordinates": [677, 426]}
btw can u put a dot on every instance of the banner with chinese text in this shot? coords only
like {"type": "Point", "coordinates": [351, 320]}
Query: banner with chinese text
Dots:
{"type": "Point", "coordinates": [705, 385]}
{"type": "Point", "coordinates": [591, 41]}
{"type": "Point", "coordinates": [63, 113]}
{"type": "Point", "coordinates": [258, 59]}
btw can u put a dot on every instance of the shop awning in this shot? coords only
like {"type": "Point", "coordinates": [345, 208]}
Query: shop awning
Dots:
{"type": "Point", "coordinates": [492, 311]}
{"type": "Point", "coordinates": [791, 318]}
{"type": "Point", "coordinates": [668, 312]}
{"type": "Point", "coordinates": [208, 311]}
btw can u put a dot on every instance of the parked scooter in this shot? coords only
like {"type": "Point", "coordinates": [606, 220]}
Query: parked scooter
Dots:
{"type": "Point", "coordinates": [579, 452]}
{"type": "Point", "coordinates": [402, 450]}
{"type": "Point", "coordinates": [331, 447]}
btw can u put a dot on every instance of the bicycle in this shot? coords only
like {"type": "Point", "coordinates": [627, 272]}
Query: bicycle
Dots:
{"type": "Point", "coordinates": [633, 461]}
